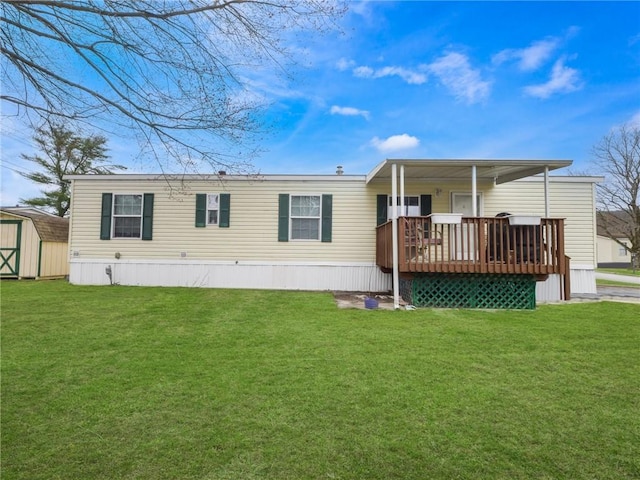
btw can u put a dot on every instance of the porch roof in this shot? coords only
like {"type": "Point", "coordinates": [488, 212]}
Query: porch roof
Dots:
{"type": "Point", "coordinates": [500, 171]}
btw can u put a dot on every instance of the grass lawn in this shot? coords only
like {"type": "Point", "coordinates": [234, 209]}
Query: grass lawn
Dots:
{"type": "Point", "coordinates": [613, 283]}
{"type": "Point", "coordinates": [167, 383]}
{"type": "Point", "coordinates": [620, 271]}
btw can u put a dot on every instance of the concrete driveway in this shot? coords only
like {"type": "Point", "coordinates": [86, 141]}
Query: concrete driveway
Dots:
{"type": "Point", "coordinates": [621, 294]}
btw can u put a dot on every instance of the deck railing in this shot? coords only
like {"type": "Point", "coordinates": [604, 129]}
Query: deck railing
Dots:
{"type": "Point", "coordinates": [476, 245]}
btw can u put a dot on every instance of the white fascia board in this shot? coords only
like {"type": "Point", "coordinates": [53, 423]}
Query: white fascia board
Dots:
{"type": "Point", "coordinates": [372, 174]}
{"type": "Point", "coordinates": [222, 178]}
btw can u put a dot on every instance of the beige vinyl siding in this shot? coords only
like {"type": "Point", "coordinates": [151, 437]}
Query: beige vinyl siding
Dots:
{"type": "Point", "coordinates": [568, 199]}
{"type": "Point", "coordinates": [253, 230]}
{"type": "Point", "coordinates": [440, 203]}
{"type": "Point", "coordinates": [609, 251]}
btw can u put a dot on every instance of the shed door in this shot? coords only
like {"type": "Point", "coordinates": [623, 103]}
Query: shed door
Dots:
{"type": "Point", "coordinates": [10, 235]}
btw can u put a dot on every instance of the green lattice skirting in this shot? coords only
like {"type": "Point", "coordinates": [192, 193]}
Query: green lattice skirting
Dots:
{"type": "Point", "coordinates": [470, 291]}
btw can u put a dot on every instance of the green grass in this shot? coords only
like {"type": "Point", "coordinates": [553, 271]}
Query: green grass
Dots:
{"type": "Point", "coordinates": [620, 271]}
{"type": "Point", "coordinates": [166, 383]}
{"type": "Point", "coordinates": [614, 283]}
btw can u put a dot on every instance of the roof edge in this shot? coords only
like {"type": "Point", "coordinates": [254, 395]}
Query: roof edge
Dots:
{"type": "Point", "coordinates": [215, 177]}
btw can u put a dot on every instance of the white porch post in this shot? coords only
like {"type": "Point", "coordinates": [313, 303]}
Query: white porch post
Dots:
{"type": "Point", "coordinates": [402, 189]}
{"type": "Point", "coordinates": [474, 190]}
{"type": "Point", "coordinates": [394, 235]}
{"type": "Point", "coordinates": [546, 192]}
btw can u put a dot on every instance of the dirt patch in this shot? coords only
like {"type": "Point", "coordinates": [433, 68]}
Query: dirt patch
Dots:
{"type": "Point", "coordinates": [357, 300]}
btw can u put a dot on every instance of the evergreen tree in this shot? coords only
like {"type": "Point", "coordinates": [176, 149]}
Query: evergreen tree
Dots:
{"type": "Point", "coordinates": [63, 152]}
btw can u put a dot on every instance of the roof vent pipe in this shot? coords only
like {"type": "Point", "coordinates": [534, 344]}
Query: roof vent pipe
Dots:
{"type": "Point", "coordinates": [339, 170]}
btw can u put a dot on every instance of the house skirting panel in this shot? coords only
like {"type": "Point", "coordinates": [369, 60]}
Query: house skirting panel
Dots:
{"type": "Point", "coordinates": [583, 281]}
{"type": "Point", "coordinates": [353, 277]}
{"type": "Point", "coordinates": [255, 275]}
{"type": "Point", "coordinates": [550, 290]}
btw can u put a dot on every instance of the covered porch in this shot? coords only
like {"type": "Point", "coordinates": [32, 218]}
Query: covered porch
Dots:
{"type": "Point", "coordinates": [468, 243]}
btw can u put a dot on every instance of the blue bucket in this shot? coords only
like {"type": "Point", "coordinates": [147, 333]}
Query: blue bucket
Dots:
{"type": "Point", "coordinates": [370, 303]}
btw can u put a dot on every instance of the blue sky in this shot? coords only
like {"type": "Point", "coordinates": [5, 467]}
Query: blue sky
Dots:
{"type": "Point", "coordinates": [437, 80]}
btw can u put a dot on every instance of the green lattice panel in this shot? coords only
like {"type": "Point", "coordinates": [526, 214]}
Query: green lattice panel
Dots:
{"type": "Point", "coordinates": [406, 287]}
{"type": "Point", "coordinates": [471, 291]}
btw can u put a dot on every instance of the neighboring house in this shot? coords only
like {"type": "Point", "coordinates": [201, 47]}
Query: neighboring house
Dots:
{"type": "Point", "coordinates": [335, 232]}
{"type": "Point", "coordinates": [33, 243]}
{"type": "Point", "coordinates": [610, 253]}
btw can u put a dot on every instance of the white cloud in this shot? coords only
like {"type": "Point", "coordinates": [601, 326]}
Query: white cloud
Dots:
{"type": "Point", "coordinates": [395, 143]}
{"type": "Point", "coordinates": [530, 58]}
{"type": "Point", "coordinates": [456, 74]}
{"type": "Point", "coordinates": [349, 111]}
{"type": "Point", "coordinates": [410, 76]}
{"type": "Point", "coordinates": [344, 64]}
{"type": "Point", "coordinates": [563, 80]}
{"type": "Point", "coordinates": [364, 72]}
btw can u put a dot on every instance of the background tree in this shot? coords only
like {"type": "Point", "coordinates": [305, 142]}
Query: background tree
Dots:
{"type": "Point", "coordinates": [618, 157]}
{"type": "Point", "coordinates": [184, 75]}
{"type": "Point", "coordinates": [64, 153]}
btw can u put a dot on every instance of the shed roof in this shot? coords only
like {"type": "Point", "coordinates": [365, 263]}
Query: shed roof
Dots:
{"type": "Point", "coordinates": [50, 228]}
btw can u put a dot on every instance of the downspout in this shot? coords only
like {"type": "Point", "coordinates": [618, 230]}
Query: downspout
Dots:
{"type": "Point", "coordinates": [546, 191]}
{"type": "Point", "coordinates": [394, 235]}
{"type": "Point", "coordinates": [474, 190]}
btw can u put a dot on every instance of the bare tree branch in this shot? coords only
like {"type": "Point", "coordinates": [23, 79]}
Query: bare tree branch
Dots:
{"type": "Point", "coordinates": [617, 155]}
{"type": "Point", "coordinates": [175, 72]}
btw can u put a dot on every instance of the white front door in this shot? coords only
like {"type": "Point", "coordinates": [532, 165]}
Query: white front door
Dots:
{"type": "Point", "coordinates": [465, 244]}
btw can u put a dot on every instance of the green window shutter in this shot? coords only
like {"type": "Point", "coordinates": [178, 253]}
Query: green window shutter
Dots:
{"type": "Point", "coordinates": [425, 205]}
{"type": "Point", "coordinates": [147, 216]}
{"type": "Point", "coordinates": [382, 209]}
{"type": "Point", "coordinates": [327, 215]}
{"type": "Point", "coordinates": [201, 209]}
{"type": "Point", "coordinates": [283, 217]}
{"type": "Point", "coordinates": [105, 221]}
{"type": "Point", "coordinates": [225, 204]}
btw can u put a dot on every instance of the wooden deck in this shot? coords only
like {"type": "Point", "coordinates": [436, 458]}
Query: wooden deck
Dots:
{"type": "Point", "coordinates": [477, 245]}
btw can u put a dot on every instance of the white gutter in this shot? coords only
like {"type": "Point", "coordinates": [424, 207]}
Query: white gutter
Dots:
{"type": "Point", "coordinates": [394, 235]}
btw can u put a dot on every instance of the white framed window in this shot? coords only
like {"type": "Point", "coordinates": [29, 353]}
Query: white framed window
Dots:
{"type": "Point", "coordinates": [213, 208]}
{"type": "Point", "coordinates": [622, 250]}
{"type": "Point", "coordinates": [127, 215]}
{"type": "Point", "coordinates": [411, 206]}
{"type": "Point", "coordinates": [305, 214]}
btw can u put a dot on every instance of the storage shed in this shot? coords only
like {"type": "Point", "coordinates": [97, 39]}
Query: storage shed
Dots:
{"type": "Point", "coordinates": [33, 243]}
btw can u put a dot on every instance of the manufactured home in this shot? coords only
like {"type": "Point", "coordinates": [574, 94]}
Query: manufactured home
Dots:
{"type": "Point", "coordinates": [33, 243]}
{"type": "Point", "coordinates": [612, 253]}
{"type": "Point", "coordinates": [470, 233]}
